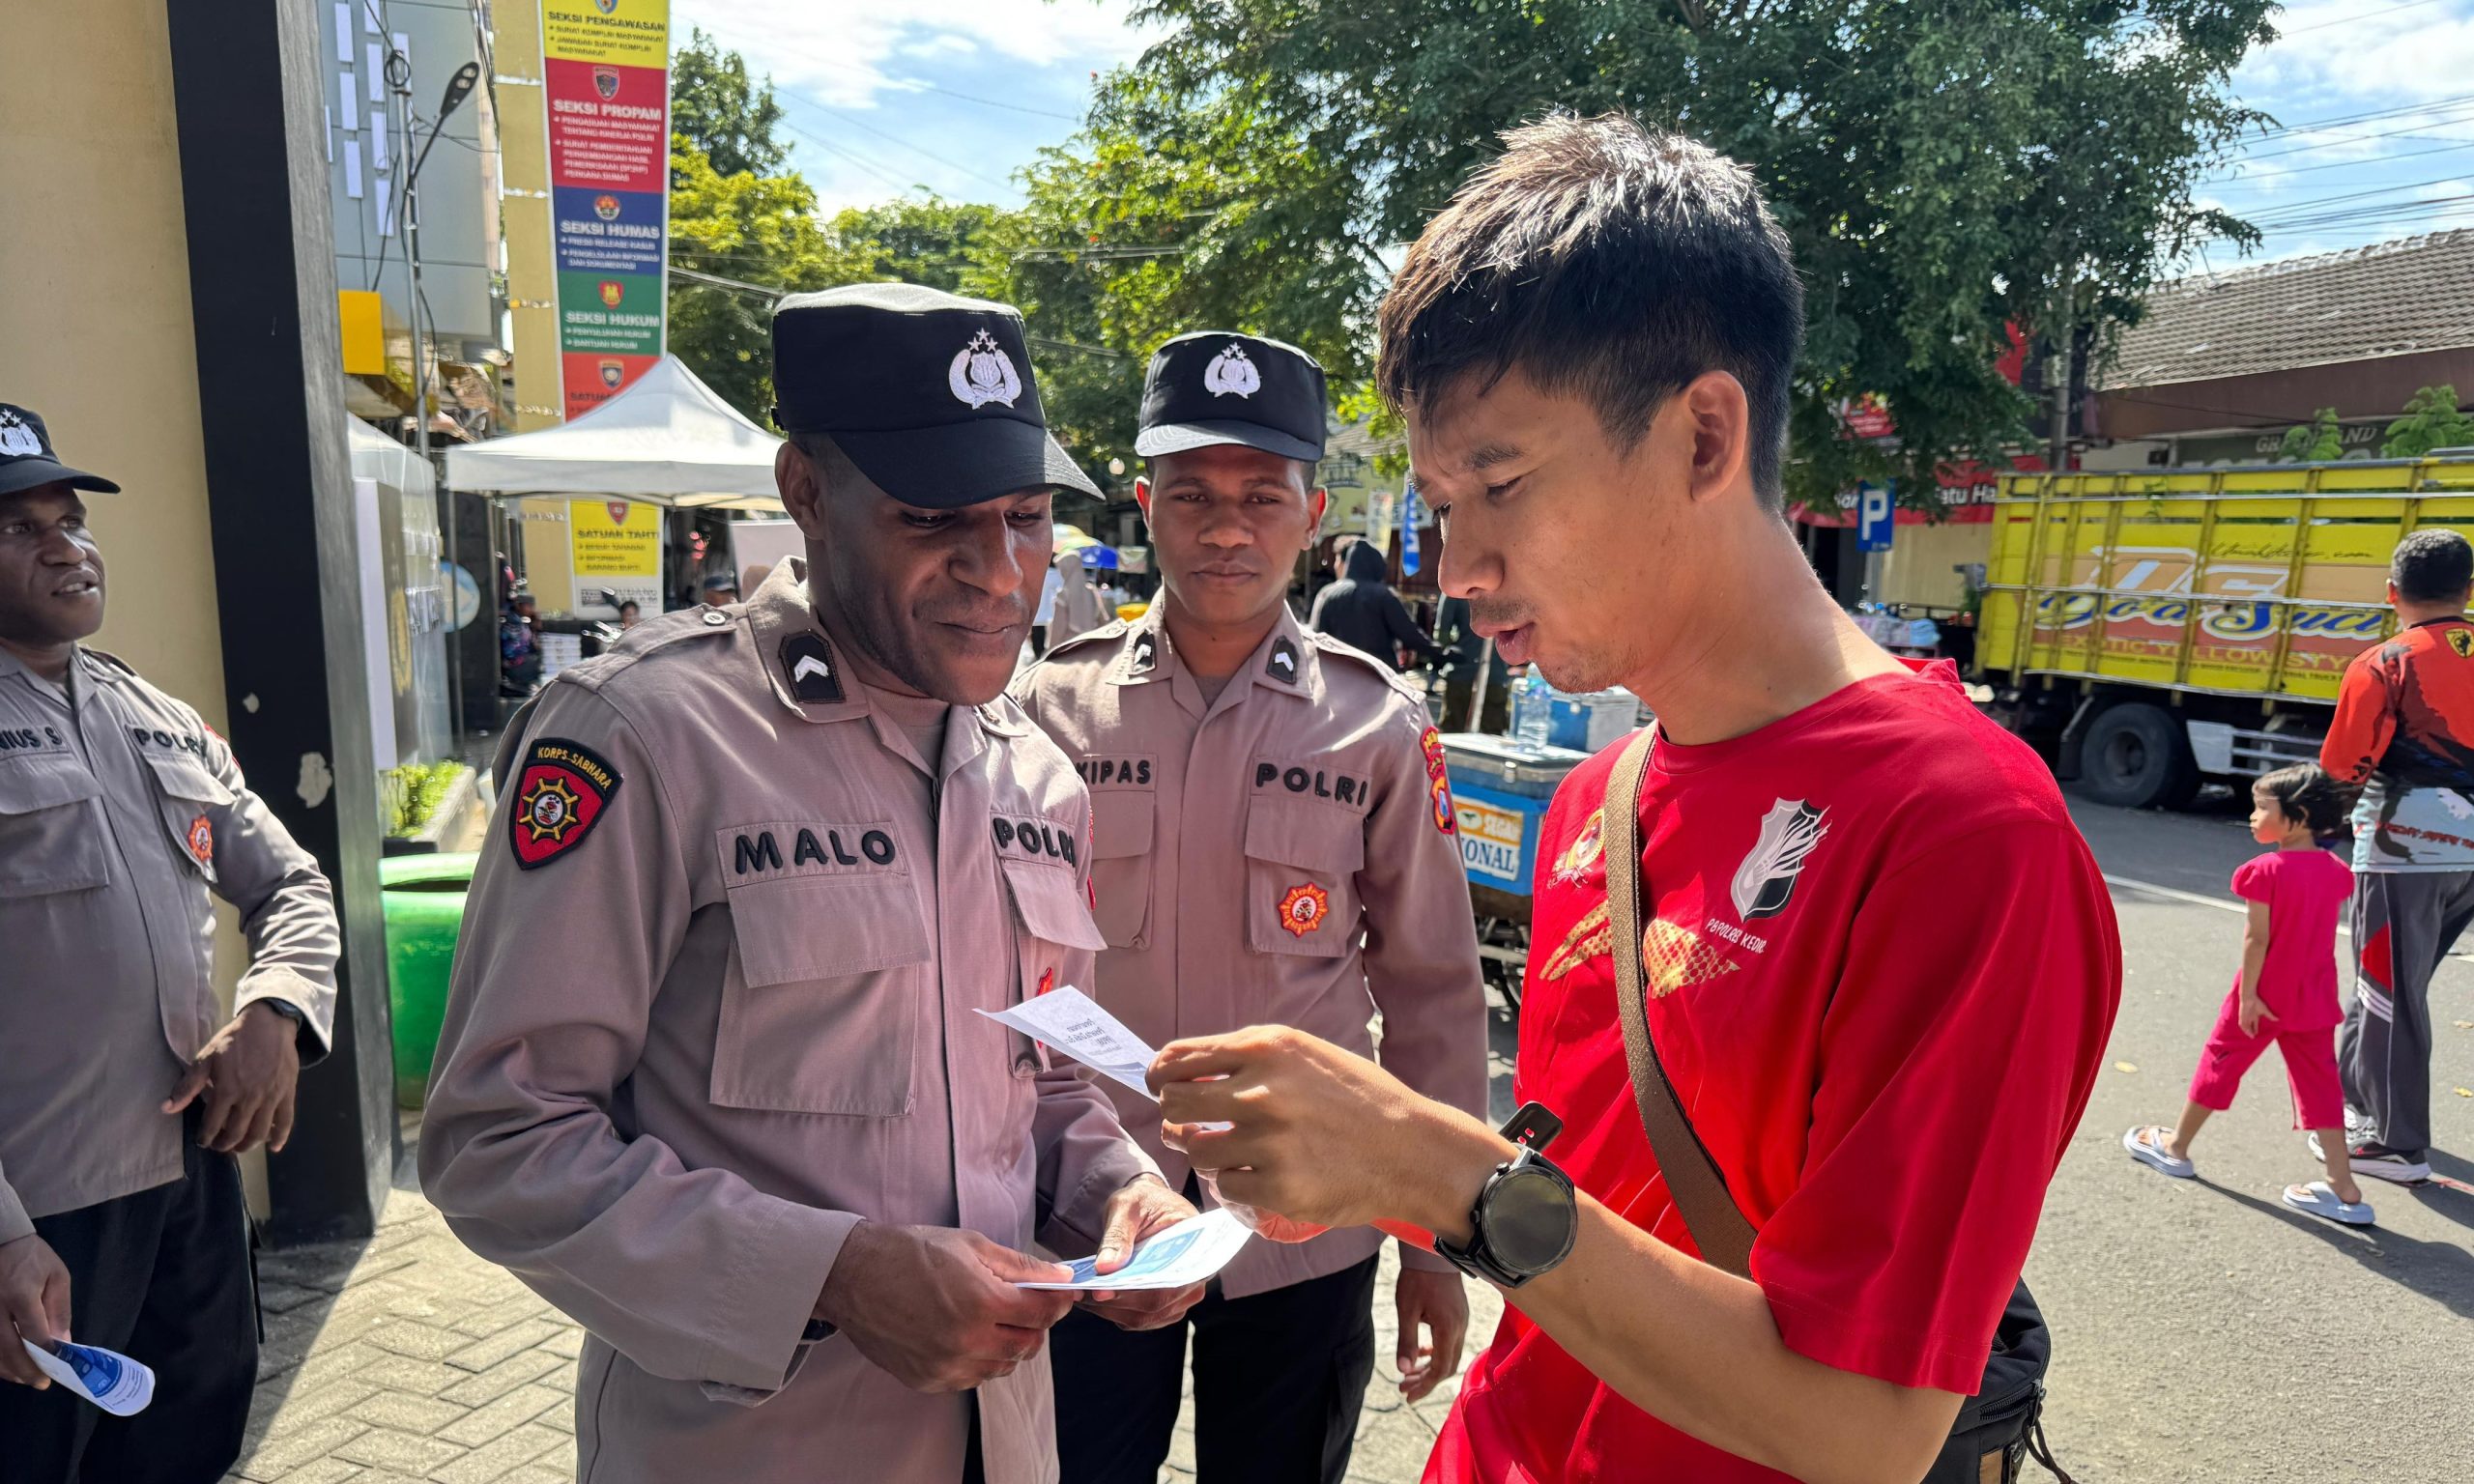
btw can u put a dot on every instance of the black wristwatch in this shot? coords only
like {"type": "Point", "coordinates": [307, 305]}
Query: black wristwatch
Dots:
{"type": "Point", "coordinates": [1525, 1216]}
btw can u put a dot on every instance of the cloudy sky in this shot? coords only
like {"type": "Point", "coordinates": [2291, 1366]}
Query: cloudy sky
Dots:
{"type": "Point", "coordinates": [906, 97]}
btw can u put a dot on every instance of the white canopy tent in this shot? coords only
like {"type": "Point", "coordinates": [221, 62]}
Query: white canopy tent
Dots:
{"type": "Point", "coordinates": [665, 441]}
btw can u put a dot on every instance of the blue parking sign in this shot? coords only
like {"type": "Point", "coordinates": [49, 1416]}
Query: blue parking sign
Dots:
{"type": "Point", "coordinates": [1876, 516]}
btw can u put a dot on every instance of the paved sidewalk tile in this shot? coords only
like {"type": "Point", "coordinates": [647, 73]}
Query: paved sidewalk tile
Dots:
{"type": "Point", "coordinates": [409, 1360]}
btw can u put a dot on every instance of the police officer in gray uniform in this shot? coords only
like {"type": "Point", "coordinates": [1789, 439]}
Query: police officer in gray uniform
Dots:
{"type": "Point", "coordinates": [126, 1094]}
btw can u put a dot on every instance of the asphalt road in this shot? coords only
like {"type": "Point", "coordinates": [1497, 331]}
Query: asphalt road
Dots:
{"type": "Point", "coordinates": [2203, 1331]}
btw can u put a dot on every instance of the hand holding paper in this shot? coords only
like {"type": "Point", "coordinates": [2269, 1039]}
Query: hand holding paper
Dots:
{"type": "Point", "coordinates": [1188, 1253]}
{"type": "Point", "coordinates": [106, 1378]}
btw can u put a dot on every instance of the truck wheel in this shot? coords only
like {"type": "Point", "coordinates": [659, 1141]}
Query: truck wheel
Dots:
{"type": "Point", "coordinates": [2135, 755]}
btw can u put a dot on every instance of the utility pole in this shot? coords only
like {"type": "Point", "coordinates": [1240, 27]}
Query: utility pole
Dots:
{"type": "Point", "coordinates": [2058, 377]}
{"type": "Point", "coordinates": [459, 86]}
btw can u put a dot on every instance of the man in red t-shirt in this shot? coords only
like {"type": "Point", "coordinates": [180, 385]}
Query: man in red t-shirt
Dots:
{"type": "Point", "coordinates": [1879, 964]}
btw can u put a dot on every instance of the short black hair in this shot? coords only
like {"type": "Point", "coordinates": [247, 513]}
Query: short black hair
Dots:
{"type": "Point", "coordinates": [2432, 566]}
{"type": "Point", "coordinates": [832, 466]}
{"type": "Point", "coordinates": [2306, 792]}
{"type": "Point", "coordinates": [1608, 261]}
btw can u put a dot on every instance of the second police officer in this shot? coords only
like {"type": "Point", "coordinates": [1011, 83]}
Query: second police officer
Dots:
{"type": "Point", "coordinates": [122, 812]}
{"type": "Point", "coordinates": [712, 1079]}
{"type": "Point", "coordinates": [1275, 845]}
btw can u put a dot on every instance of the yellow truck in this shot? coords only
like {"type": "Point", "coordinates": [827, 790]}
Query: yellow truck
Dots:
{"type": "Point", "coordinates": [2155, 630]}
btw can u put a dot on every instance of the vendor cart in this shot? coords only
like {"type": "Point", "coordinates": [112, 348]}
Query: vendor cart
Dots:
{"type": "Point", "coordinates": [1500, 790]}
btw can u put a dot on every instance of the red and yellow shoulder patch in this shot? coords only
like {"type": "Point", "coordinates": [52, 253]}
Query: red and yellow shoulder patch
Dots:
{"type": "Point", "coordinates": [560, 796]}
{"type": "Point", "coordinates": [1438, 780]}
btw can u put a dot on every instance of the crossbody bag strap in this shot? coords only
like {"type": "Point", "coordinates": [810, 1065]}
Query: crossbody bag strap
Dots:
{"type": "Point", "coordinates": [1717, 1225]}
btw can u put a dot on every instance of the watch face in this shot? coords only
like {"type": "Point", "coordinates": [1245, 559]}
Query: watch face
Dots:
{"type": "Point", "coordinates": [1530, 1220]}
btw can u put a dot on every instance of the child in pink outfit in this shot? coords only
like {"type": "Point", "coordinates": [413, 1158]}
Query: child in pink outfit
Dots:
{"type": "Point", "coordinates": [2286, 994]}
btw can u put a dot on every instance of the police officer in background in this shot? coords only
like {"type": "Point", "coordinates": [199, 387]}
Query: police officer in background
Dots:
{"type": "Point", "coordinates": [1274, 846]}
{"type": "Point", "coordinates": [128, 1092]}
{"type": "Point", "coordinates": [712, 1079]}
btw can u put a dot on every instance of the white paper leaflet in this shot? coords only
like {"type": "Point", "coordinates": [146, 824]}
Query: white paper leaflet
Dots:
{"type": "Point", "coordinates": [1188, 1252]}
{"type": "Point", "coordinates": [1068, 1021]}
{"type": "Point", "coordinates": [106, 1377]}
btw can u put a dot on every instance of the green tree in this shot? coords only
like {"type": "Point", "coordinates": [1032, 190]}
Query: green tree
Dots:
{"type": "Point", "coordinates": [2316, 441]}
{"type": "Point", "coordinates": [1944, 170]}
{"type": "Point", "coordinates": [931, 242]}
{"type": "Point", "coordinates": [740, 240]}
{"type": "Point", "coordinates": [726, 117]}
{"type": "Point", "coordinates": [2432, 421]}
{"type": "Point", "coordinates": [760, 237]}
{"type": "Point", "coordinates": [1170, 213]}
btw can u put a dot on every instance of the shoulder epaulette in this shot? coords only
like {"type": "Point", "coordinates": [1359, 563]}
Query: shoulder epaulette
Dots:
{"type": "Point", "coordinates": [114, 661]}
{"type": "Point", "coordinates": [1399, 682]}
{"type": "Point", "coordinates": [1110, 631]}
{"type": "Point", "coordinates": [648, 639]}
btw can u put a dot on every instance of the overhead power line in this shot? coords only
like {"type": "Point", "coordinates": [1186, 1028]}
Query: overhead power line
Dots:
{"type": "Point", "coordinates": [875, 167]}
{"type": "Point", "coordinates": [913, 85]}
{"type": "Point", "coordinates": [2338, 164]}
{"type": "Point", "coordinates": [2347, 20]}
{"type": "Point", "coordinates": [2366, 116]}
{"type": "Point", "coordinates": [2313, 203]}
{"type": "Point", "coordinates": [923, 153]}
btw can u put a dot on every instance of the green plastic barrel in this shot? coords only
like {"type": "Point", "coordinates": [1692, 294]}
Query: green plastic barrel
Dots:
{"type": "Point", "coordinates": [422, 897]}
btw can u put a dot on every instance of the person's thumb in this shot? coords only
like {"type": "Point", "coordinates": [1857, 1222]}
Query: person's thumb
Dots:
{"type": "Point", "coordinates": [55, 1304]}
{"type": "Point", "coordinates": [2266, 1014]}
{"type": "Point", "coordinates": [1116, 1244]}
{"type": "Point", "coordinates": [192, 1082]}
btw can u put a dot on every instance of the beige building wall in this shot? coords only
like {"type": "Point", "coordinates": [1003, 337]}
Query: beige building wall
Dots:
{"type": "Point", "coordinates": [524, 158]}
{"type": "Point", "coordinates": [96, 335]}
{"type": "Point", "coordinates": [95, 330]}
{"type": "Point", "coordinates": [1917, 567]}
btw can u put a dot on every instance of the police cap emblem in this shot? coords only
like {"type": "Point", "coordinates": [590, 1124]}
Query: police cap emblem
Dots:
{"type": "Point", "coordinates": [983, 373]}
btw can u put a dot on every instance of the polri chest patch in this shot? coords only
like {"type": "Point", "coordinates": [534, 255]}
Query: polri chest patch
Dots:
{"type": "Point", "coordinates": [1318, 779]}
{"type": "Point", "coordinates": [561, 793]}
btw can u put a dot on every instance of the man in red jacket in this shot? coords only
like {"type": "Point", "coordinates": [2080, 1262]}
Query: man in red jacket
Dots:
{"type": "Point", "coordinates": [1880, 963]}
{"type": "Point", "coordinates": [2404, 731]}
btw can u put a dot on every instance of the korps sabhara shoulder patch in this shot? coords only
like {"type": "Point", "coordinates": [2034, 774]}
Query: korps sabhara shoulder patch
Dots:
{"type": "Point", "coordinates": [560, 796]}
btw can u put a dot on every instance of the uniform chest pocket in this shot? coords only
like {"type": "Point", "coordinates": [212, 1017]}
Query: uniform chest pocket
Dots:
{"type": "Point", "coordinates": [1302, 861]}
{"type": "Point", "coordinates": [51, 827]}
{"type": "Point", "coordinates": [1121, 822]}
{"type": "Point", "coordinates": [1052, 920]}
{"type": "Point", "coordinates": [188, 797]}
{"type": "Point", "coordinates": [822, 1001]}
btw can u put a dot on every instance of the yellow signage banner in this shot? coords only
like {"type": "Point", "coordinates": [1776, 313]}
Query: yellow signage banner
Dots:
{"type": "Point", "coordinates": [623, 33]}
{"type": "Point", "coordinates": [615, 545]}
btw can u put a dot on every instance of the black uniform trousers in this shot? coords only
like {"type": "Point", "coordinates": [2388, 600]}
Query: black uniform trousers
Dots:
{"type": "Point", "coordinates": [161, 1276]}
{"type": "Point", "coordinates": [1279, 1379]}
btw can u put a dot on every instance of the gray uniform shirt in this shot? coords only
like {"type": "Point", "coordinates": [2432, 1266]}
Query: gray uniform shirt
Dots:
{"type": "Point", "coordinates": [716, 1002]}
{"type": "Point", "coordinates": [120, 813]}
{"type": "Point", "coordinates": [1280, 851]}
